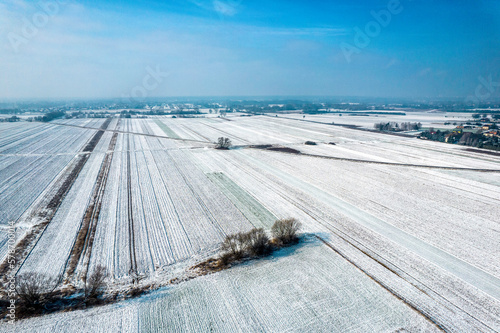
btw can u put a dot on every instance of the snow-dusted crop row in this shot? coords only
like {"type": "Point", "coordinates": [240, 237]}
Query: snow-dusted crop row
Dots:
{"type": "Point", "coordinates": [47, 139]}
{"type": "Point", "coordinates": [177, 212]}
{"type": "Point", "coordinates": [427, 119]}
{"type": "Point", "coordinates": [167, 202]}
{"type": "Point", "coordinates": [51, 253]}
{"type": "Point", "coordinates": [451, 213]}
{"type": "Point", "coordinates": [444, 208]}
{"type": "Point", "coordinates": [309, 288]}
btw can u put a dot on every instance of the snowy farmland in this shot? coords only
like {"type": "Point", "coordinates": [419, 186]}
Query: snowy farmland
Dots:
{"type": "Point", "coordinates": [309, 290]}
{"type": "Point", "coordinates": [428, 119]}
{"type": "Point", "coordinates": [402, 234]}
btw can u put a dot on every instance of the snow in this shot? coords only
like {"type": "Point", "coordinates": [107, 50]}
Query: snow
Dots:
{"type": "Point", "coordinates": [426, 118]}
{"type": "Point", "coordinates": [427, 234]}
{"type": "Point", "coordinates": [307, 288]}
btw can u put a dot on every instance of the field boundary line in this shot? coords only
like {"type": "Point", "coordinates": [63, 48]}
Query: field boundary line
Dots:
{"type": "Point", "coordinates": [380, 162]}
{"type": "Point", "coordinates": [130, 215]}
{"type": "Point", "coordinates": [397, 271]}
{"type": "Point", "coordinates": [380, 283]}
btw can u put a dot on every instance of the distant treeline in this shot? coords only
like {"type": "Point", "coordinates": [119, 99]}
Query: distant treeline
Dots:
{"type": "Point", "coordinates": [12, 119]}
{"type": "Point", "coordinates": [392, 113]}
{"type": "Point", "coordinates": [494, 116]}
{"type": "Point", "coordinates": [395, 127]}
{"type": "Point", "coordinates": [50, 116]}
{"type": "Point", "coordinates": [10, 111]}
{"type": "Point", "coordinates": [180, 112]}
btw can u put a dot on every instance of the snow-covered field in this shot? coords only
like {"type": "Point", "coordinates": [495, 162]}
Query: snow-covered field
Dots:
{"type": "Point", "coordinates": [177, 211]}
{"type": "Point", "coordinates": [415, 223]}
{"type": "Point", "coordinates": [32, 155]}
{"type": "Point", "coordinates": [306, 289]}
{"type": "Point", "coordinates": [428, 119]}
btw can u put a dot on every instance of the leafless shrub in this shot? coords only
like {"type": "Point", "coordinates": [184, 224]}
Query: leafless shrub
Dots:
{"type": "Point", "coordinates": [285, 230]}
{"type": "Point", "coordinates": [257, 242]}
{"type": "Point", "coordinates": [95, 282]}
{"type": "Point", "coordinates": [240, 245]}
{"type": "Point", "coordinates": [234, 246]}
{"type": "Point", "coordinates": [34, 289]}
{"type": "Point", "coordinates": [225, 258]}
{"type": "Point", "coordinates": [4, 303]}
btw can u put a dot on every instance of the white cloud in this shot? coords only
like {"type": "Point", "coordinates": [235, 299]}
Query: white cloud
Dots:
{"type": "Point", "coordinates": [227, 8]}
{"type": "Point", "coordinates": [221, 7]}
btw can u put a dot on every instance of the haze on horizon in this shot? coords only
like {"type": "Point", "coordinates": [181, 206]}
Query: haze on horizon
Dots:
{"type": "Point", "coordinates": [91, 49]}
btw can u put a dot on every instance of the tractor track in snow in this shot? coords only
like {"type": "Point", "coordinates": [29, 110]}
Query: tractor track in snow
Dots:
{"type": "Point", "coordinates": [133, 258]}
{"type": "Point", "coordinates": [82, 248]}
{"type": "Point", "coordinates": [25, 246]}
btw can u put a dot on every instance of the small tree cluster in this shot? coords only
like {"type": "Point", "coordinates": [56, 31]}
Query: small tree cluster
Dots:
{"type": "Point", "coordinates": [51, 116]}
{"type": "Point", "coordinates": [256, 242]}
{"type": "Point", "coordinates": [36, 293]}
{"type": "Point", "coordinates": [245, 244]}
{"type": "Point", "coordinates": [34, 289]}
{"type": "Point", "coordinates": [233, 247]}
{"type": "Point", "coordinates": [285, 231]}
{"type": "Point", "coordinates": [223, 143]}
{"type": "Point", "coordinates": [394, 126]}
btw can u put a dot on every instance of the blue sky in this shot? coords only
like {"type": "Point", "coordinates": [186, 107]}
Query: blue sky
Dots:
{"type": "Point", "coordinates": [97, 49]}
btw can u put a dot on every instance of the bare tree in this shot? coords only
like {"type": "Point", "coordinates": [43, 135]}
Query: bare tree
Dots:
{"type": "Point", "coordinates": [233, 245]}
{"type": "Point", "coordinates": [285, 231]}
{"type": "Point", "coordinates": [34, 288]}
{"type": "Point", "coordinates": [95, 282]}
{"type": "Point", "coordinates": [223, 143]}
{"type": "Point", "coordinates": [257, 242]}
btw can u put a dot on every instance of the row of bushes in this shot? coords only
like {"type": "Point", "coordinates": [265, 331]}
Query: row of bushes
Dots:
{"type": "Point", "coordinates": [394, 126]}
{"type": "Point", "coordinates": [256, 242]}
{"type": "Point", "coordinates": [35, 294]}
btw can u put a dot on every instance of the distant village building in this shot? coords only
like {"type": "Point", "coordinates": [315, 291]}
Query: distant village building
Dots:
{"type": "Point", "coordinates": [492, 133]}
